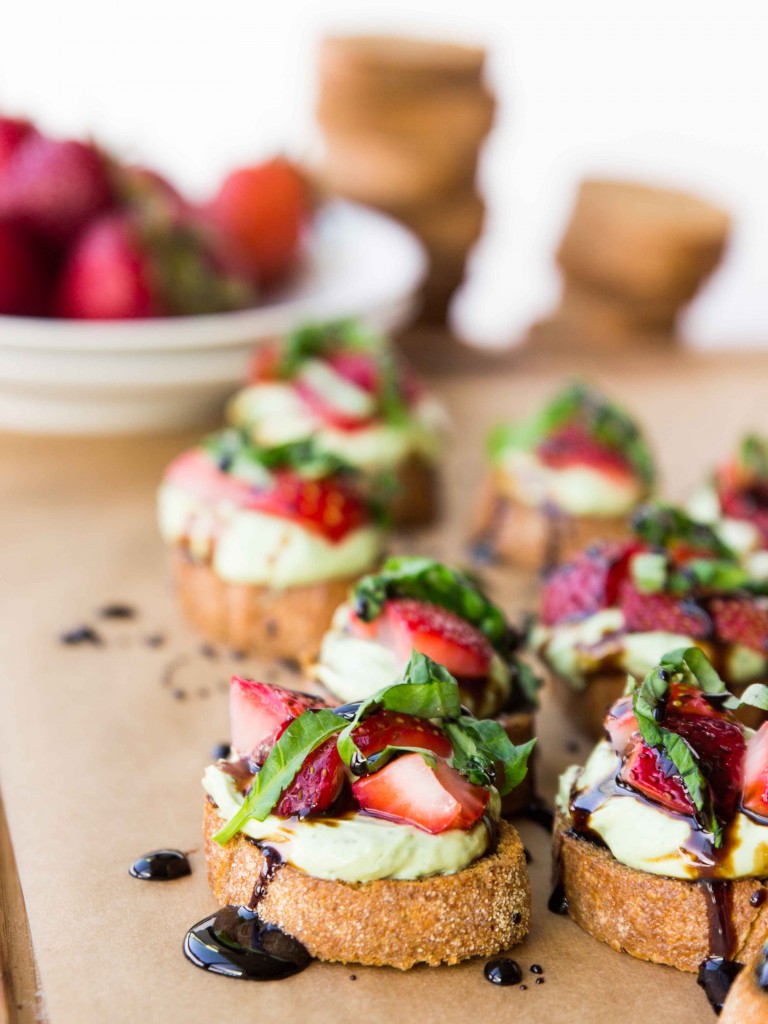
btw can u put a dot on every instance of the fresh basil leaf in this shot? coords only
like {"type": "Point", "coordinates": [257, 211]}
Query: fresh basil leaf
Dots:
{"type": "Point", "coordinates": [756, 696]}
{"type": "Point", "coordinates": [662, 525]}
{"type": "Point", "coordinates": [367, 765]}
{"type": "Point", "coordinates": [647, 701]}
{"type": "Point", "coordinates": [709, 574]}
{"type": "Point", "coordinates": [302, 736]}
{"type": "Point", "coordinates": [316, 340]}
{"type": "Point", "coordinates": [426, 579]}
{"type": "Point", "coordinates": [753, 456]}
{"type": "Point", "coordinates": [480, 745]}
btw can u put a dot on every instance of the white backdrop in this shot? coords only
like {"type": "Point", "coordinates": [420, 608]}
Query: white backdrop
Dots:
{"type": "Point", "coordinates": [672, 91]}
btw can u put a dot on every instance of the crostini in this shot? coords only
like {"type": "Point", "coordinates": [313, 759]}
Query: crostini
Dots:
{"type": "Point", "coordinates": [346, 386]}
{"type": "Point", "coordinates": [568, 475]}
{"type": "Point", "coordinates": [415, 603]}
{"type": "Point", "coordinates": [618, 606]}
{"type": "Point", "coordinates": [370, 832]}
{"type": "Point", "coordinates": [266, 541]}
{"type": "Point", "coordinates": [661, 839]}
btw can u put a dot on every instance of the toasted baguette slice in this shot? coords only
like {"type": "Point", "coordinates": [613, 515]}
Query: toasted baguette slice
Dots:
{"type": "Point", "coordinates": [416, 497]}
{"type": "Point", "coordinates": [287, 623]}
{"type": "Point", "coordinates": [537, 538]}
{"type": "Point", "coordinates": [479, 911]}
{"type": "Point", "coordinates": [664, 920]}
{"type": "Point", "coordinates": [747, 1002]}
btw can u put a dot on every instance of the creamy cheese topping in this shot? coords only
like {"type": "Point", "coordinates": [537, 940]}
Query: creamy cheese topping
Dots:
{"type": "Point", "coordinates": [246, 546]}
{"type": "Point", "coordinates": [358, 847]}
{"type": "Point", "coordinates": [576, 650]}
{"type": "Point", "coordinates": [275, 413]}
{"type": "Point", "coordinates": [649, 838]}
{"type": "Point", "coordinates": [577, 490]}
{"type": "Point", "coordinates": [353, 668]}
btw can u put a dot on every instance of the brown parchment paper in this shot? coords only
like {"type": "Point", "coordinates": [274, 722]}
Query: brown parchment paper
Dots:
{"type": "Point", "coordinates": [101, 748]}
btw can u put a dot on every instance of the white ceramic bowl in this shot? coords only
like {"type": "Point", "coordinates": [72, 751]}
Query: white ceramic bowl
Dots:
{"type": "Point", "coordinates": [172, 373]}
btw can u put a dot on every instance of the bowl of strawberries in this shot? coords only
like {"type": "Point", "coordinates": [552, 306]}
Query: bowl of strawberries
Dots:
{"type": "Point", "coordinates": [127, 307]}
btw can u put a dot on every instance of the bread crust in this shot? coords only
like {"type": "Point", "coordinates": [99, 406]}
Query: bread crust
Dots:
{"type": "Point", "coordinates": [436, 920]}
{"type": "Point", "coordinates": [287, 623]}
{"type": "Point", "coordinates": [537, 538]}
{"type": "Point", "coordinates": [746, 1003]}
{"type": "Point", "coordinates": [651, 917]}
{"type": "Point", "coordinates": [416, 498]}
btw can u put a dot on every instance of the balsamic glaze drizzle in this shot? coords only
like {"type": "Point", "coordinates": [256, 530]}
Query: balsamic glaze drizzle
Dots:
{"type": "Point", "coordinates": [234, 942]}
{"type": "Point", "coordinates": [161, 866]}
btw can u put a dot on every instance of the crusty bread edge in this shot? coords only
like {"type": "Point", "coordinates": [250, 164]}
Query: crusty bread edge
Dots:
{"type": "Point", "coordinates": [651, 917]}
{"type": "Point", "coordinates": [746, 1003]}
{"type": "Point", "coordinates": [479, 911]}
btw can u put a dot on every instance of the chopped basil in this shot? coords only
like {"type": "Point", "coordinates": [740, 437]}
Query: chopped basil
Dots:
{"type": "Point", "coordinates": [236, 454]}
{"type": "Point", "coordinates": [604, 421]}
{"type": "Point", "coordinates": [753, 456]}
{"type": "Point", "coordinates": [663, 525]}
{"type": "Point", "coordinates": [283, 763]}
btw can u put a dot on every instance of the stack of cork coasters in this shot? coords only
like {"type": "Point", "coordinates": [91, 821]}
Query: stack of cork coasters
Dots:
{"type": "Point", "coordinates": [403, 121]}
{"type": "Point", "coordinates": [633, 256]}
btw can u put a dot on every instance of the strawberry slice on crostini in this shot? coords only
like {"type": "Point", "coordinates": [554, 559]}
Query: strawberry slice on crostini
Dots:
{"type": "Point", "coordinates": [316, 785]}
{"type": "Point", "coordinates": [409, 790]}
{"type": "Point", "coordinates": [755, 793]}
{"type": "Point", "coordinates": [410, 625]}
{"type": "Point", "coordinates": [741, 620]}
{"type": "Point", "coordinates": [587, 584]}
{"type": "Point", "coordinates": [620, 724]}
{"type": "Point", "coordinates": [656, 777]}
{"type": "Point", "coordinates": [572, 445]}
{"type": "Point", "coordinates": [392, 729]}
{"type": "Point", "coordinates": [720, 748]}
{"type": "Point", "coordinates": [646, 613]}
{"type": "Point", "coordinates": [325, 506]}
{"type": "Point", "coordinates": [258, 710]}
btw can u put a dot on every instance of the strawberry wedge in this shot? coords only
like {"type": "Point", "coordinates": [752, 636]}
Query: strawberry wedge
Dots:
{"type": "Point", "coordinates": [410, 791]}
{"type": "Point", "coordinates": [258, 710]}
{"type": "Point", "coordinates": [441, 635]}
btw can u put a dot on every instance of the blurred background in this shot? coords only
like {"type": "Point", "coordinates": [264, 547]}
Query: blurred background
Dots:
{"type": "Point", "coordinates": [668, 94]}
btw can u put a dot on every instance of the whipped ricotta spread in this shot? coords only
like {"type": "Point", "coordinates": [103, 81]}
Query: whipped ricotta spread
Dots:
{"type": "Point", "coordinates": [357, 847]}
{"type": "Point", "coordinates": [577, 490]}
{"type": "Point", "coordinates": [353, 668]}
{"type": "Point", "coordinates": [576, 650]}
{"type": "Point", "coordinates": [274, 413]}
{"type": "Point", "coordinates": [246, 546]}
{"type": "Point", "coordinates": [649, 838]}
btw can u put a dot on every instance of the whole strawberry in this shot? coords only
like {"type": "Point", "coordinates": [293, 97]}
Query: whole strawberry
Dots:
{"type": "Point", "coordinates": [55, 187]}
{"type": "Point", "coordinates": [24, 283]}
{"type": "Point", "coordinates": [13, 131]}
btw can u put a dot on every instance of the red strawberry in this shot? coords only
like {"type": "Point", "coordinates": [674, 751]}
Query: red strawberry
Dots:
{"type": "Point", "coordinates": [265, 363]}
{"type": "Point", "coordinates": [750, 504]}
{"type": "Point", "coordinates": [24, 283]}
{"type": "Point", "coordinates": [741, 620]}
{"type": "Point", "coordinates": [587, 584]}
{"type": "Point", "coordinates": [620, 724]}
{"type": "Point", "coordinates": [755, 795]}
{"type": "Point", "coordinates": [257, 711]}
{"type": "Point", "coordinates": [108, 275]}
{"type": "Point", "coordinates": [13, 131]}
{"type": "Point", "coordinates": [645, 613]}
{"type": "Point", "coordinates": [359, 368]}
{"type": "Point", "coordinates": [653, 775]}
{"type": "Point", "coordinates": [316, 785]}
{"type": "Point", "coordinates": [411, 791]}
{"type": "Point", "coordinates": [720, 747]}
{"type": "Point", "coordinates": [572, 445]}
{"type": "Point", "coordinates": [264, 209]}
{"type": "Point", "coordinates": [55, 187]}
{"type": "Point", "coordinates": [327, 506]}
{"type": "Point", "coordinates": [389, 729]}
{"type": "Point", "coordinates": [443, 636]}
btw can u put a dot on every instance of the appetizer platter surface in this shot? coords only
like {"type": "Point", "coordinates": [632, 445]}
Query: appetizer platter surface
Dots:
{"type": "Point", "coordinates": [112, 707]}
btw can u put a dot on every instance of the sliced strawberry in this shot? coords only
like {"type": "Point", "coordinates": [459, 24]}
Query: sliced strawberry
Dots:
{"type": "Point", "coordinates": [572, 445]}
{"type": "Point", "coordinates": [359, 368]}
{"type": "Point", "coordinates": [328, 413]}
{"type": "Point", "coordinates": [265, 363]}
{"type": "Point", "coordinates": [316, 785]}
{"type": "Point", "coordinates": [390, 729]}
{"type": "Point", "coordinates": [750, 503]}
{"type": "Point", "coordinates": [755, 794]}
{"type": "Point", "coordinates": [720, 747]}
{"type": "Point", "coordinates": [741, 620]}
{"type": "Point", "coordinates": [587, 584]}
{"type": "Point", "coordinates": [684, 700]}
{"type": "Point", "coordinates": [645, 613]}
{"type": "Point", "coordinates": [446, 638]}
{"type": "Point", "coordinates": [258, 710]}
{"type": "Point", "coordinates": [328, 506]}
{"type": "Point", "coordinates": [620, 724]}
{"type": "Point", "coordinates": [654, 775]}
{"type": "Point", "coordinates": [432, 799]}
